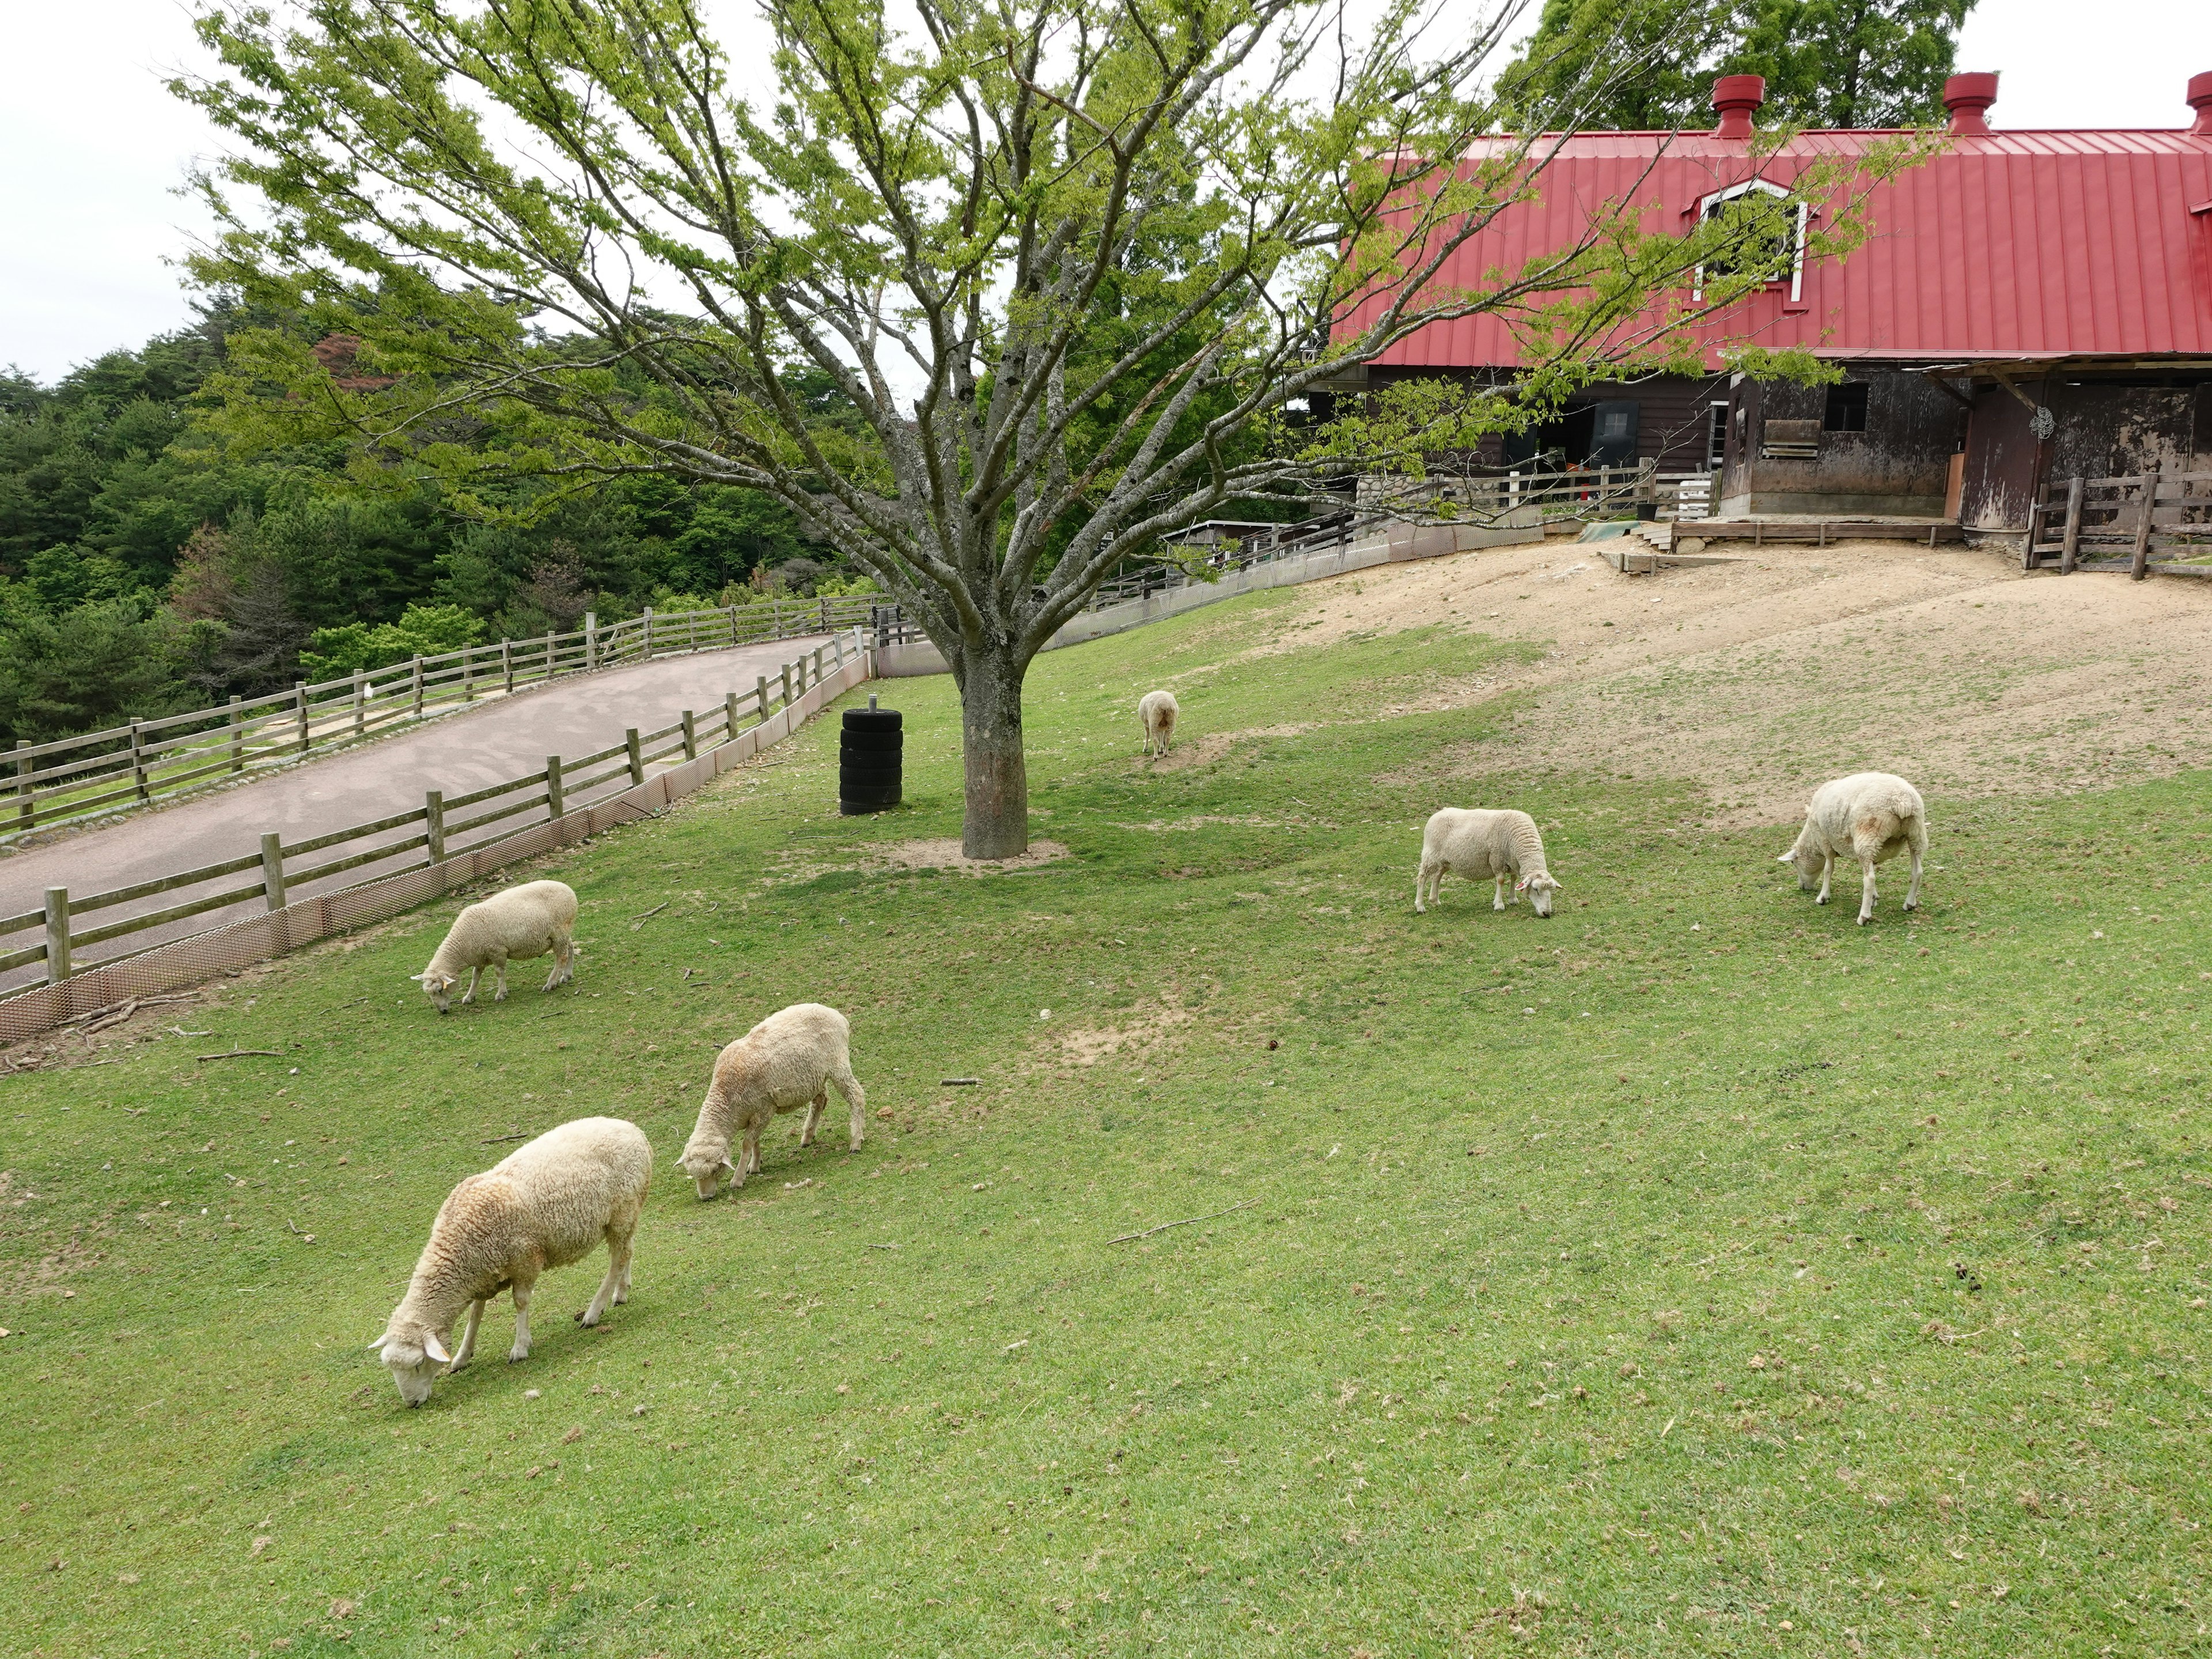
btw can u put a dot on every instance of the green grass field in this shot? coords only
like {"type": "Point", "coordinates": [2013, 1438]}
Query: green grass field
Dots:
{"type": "Point", "coordinates": [1692, 1272]}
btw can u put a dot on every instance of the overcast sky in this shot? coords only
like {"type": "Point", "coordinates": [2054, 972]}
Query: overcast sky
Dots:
{"type": "Point", "coordinates": [92, 147]}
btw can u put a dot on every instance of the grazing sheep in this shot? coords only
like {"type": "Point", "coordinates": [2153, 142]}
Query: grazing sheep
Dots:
{"type": "Point", "coordinates": [1502, 846]}
{"type": "Point", "coordinates": [1869, 816]}
{"type": "Point", "coordinates": [1156, 713]}
{"type": "Point", "coordinates": [787, 1061]}
{"type": "Point", "coordinates": [545, 1205]}
{"type": "Point", "coordinates": [522, 922]}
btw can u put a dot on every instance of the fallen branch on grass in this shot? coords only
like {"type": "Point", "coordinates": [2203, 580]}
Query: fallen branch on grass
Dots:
{"type": "Point", "coordinates": [636, 922]}
{"type": "Point", "coordinates": [961, 1082]}
{"type": "Point", "coordinates": [241, 1054]}
{"type": "Point", "coordinates": [1185, 1222]}
{"type": "Point", "coordinates": [495, 1140]}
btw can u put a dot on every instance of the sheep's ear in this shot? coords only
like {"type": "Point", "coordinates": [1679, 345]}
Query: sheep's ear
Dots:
{"type": "Point", "coordinates": [727, 1165]}
{"type": "Point", "coordinates": [420, 979]}
{"type": "Point", "coordinates": [378, 1346]}
{"type": "Point", "coordinates": [1520, 886]}
{"type": "Point", "coordinates": [436, 1349]}
{"type": "Point", "coordinates": [1787, 858]}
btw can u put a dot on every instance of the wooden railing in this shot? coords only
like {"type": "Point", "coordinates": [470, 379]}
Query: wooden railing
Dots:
{"type": "Point", "coordinates": [443, 826]}
{"type": "Point", "coordinates": [2123, 523]}
{"type": "Point", "coordinates": [101, 773]}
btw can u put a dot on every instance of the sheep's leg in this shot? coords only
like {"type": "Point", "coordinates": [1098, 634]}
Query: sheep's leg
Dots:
{"type": "Point", "coordinates": [1919, 845]}
{"type": "Point", "coordinates": [521, 1348]}
{"type": "Point", "coordinates": [856, 1104]}
{"type": "Point", "coordinates": [1499, 898]}
{"type": "Point", "coordinates": [748, 1158]}
{"type": "Point", "coordinates": [1423, 879]}
{"type": "Point", "coordinates": [474, 974]}
{"type": "Point", "coordinates": [467, 1351]}
{"type": "Point", "coordinates": [1866, 891]}
{"type": "Point", "coordinates": [562, 973]}
{"type": "Point", "coordinates": [1827, 870]}
{"type": "Point", "coordinates": [815, 1108]}
{"type": "Point", "coordinates": [500, 968]}
{"type": "Point", "coordinates": [611, 1287]}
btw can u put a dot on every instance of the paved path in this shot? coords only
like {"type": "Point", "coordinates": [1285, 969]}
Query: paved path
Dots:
{"type": "Point", "coordinates": [469, 751]}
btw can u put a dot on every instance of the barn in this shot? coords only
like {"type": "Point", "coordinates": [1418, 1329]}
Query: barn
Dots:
{"type": "Point", "coordinates": [2030, 307]}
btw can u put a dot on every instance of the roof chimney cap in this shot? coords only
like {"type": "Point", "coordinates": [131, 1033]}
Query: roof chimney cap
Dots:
{"type": "Point", "coordinates": [1968, 97]}
{"type": "Point", "coordinates": [1734, 97]}
{"type": "Point", "coordinates": [2200, 99]}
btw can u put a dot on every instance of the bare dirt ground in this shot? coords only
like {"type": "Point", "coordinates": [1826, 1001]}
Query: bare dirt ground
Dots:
{"type": "Point", "coordinates": [1759, 679]}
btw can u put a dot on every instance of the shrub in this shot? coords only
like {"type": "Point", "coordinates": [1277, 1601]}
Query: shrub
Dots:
{"type": "Point", "coordinates": [423, 630]}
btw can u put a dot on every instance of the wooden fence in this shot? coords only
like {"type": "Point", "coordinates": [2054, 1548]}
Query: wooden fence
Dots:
{"type": "Point", "coordinates": [101, 773]}
{"type": "Point", "coordinates": [2124, 524]}
{"type": "Point", "coordinates": [444, 829]}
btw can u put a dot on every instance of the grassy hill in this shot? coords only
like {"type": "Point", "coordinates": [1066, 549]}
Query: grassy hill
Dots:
{"type": "Point", "coordinates": [1692, 1272]}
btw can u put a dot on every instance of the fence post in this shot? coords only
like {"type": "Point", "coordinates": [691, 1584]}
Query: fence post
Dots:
{"type": "Point", "coordinates": [138, 759]}
{"type": "Point", "coordinates": [690, 736]}
{"type": "Point", "coordinates": [636, 756]}
{"type": "Point", "coordinates": [2140, 565]}
{"type": "Point", "coordinates": [25, 813]}
{"type": "Point", "coordinates": [733, 624]}
{"type": "Point", "coordinates": [2072, 538]}
{"type": "Point", "coordinates": [415, 686]}
{"type": "Point", "coordinates": [57, 935]}
{"type": "Point", "coordinates": [555, 803]}
{"type": "Point", "coordinates": [760, 691]}
{"type": "Point", "coordinates": [649, 633]}
{"type": "Point", "coordinates": [837, 647]}
{"type": "Point", "coordinates": [817, 667]}
{"type": "Point", "coordinates": [468, 676]}
{"type": "Point", "coordinates": [434, 819]}
{"type": "Point", "coordinates": [591, 639]}
{"type": "Point", "coordinates": [237, 737]}
{"type": "Point", "coordinates": [506, 663]}
{"type": "Point", "coordinates": [272, 870]}
{"type": "Point", "coordinates": [729, 715]}
{"type": "Point", "coordinates": [786, 684]}
{"type": "Point", "coordinates": [549, 659]}
{"type": "Point", "coordinates": [300, 697]}
{"type": "Point", "coordinates": [360, 702]}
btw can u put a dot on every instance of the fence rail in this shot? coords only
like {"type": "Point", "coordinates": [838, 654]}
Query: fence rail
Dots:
{"type": "Point", "coordinates": [424, 836]}
{"type": "Point", "coordinates": [2126, 520]}
{"type": "Point", "coordinates": [99, 773]}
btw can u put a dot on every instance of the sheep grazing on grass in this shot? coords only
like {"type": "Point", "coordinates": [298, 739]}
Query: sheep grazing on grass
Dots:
{"type": "Point", "coordinates": [787, 1061]}
{"type": "Point", "coordinates": [547, 1204]}
{"type": "Point", "coordinates": [522, 922]}
{"type": "Point", "coordinates": [1871, 817]}
{"type": "Point", "coordinates": [1156, 713]}
{"type": "Point", "coordinates": [1502, 846]}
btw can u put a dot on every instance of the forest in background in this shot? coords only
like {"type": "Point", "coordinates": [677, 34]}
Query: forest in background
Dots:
{"type": "Point", "coordinates": [147, 566]}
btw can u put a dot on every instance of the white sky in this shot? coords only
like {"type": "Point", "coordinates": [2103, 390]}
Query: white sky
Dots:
{"type": "Point", "coordinates": [92, 148]}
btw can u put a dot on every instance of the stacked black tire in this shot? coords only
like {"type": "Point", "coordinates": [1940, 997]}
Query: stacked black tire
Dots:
{"type": "Point", "coordinates": [871, 754]}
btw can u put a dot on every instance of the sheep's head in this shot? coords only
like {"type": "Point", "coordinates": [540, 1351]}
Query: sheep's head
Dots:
{"type": "Point", "coordinates": [412, 1365]}
{"type": "Point", "coordinates": [1540, 888]}
{"type": "Point", "coordinates": [1808, 861]}
{"type": "Point", "coordinates": [704, 1165]}
{"type": "Point", "coordinates": [438, 987]}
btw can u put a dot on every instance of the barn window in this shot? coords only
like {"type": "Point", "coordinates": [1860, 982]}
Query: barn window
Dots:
{"type": "Point", "coordinates": [1773, 247]}
{"type": "Point", "coordinates": [1847, 408]}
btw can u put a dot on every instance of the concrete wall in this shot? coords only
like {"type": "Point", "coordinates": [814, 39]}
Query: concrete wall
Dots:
{"type": "Point", "coordinates": [1397, 545]}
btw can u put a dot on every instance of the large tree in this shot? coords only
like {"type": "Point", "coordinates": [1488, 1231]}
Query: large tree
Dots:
{"type": "Point", "coordinates": [989, 293]}
{"type": "Point", "coordinates": [1827, 63]}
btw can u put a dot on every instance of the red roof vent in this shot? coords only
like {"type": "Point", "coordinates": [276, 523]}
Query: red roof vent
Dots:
{"type": "Point", "coordinates": [2200, 99]}
{"type": "Point", "coordinates": [1734, 97]}
{"type": "Point", "coordinates": [1968, 97]}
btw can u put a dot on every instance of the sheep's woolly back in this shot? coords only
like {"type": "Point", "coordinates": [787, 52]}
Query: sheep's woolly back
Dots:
{"type": "Point", "coordinates": [521, 923]}
{"type": "Point", "coordinates": [547, 1204]}
{"type": "Point", "coordinates": [1156, 710]}
{"type": "Point", "coordinates": [1878, 807]}
{"type": "Point", "coordinates": [1481, 843]}
{"type": "Point", "coordinates": [779, 1066]}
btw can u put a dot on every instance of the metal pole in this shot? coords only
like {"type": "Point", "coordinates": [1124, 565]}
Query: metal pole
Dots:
{"type": "Point", "coordinates": [433, 818]}
{"type": "Point", "coordinates": [237, 737]}
{"type": "Point", "coordinates": [690, 737]}
{"type": "Point", "coordinates": [57, 935]}
{"type": "Point", "coordinates": [272, 870]}
{"type": "Point", "coordinates": [636, 756]}
{"type": "Point", "coordinates": [555, 803]}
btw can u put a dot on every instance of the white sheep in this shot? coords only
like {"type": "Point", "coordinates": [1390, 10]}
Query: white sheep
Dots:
{"type": "Point", "coordinates": [1156, 713]}
{"type": "Point", "coordinates": [517, 925]}
{"type": "Point", "coordinates": [787, 1061]}
{"type": "Point", "coordinates": [1502, 845]}
{"type": "Point", "coordinates": [1869, 816]}
{"type": "Point", "coordinates": [547, 1204]}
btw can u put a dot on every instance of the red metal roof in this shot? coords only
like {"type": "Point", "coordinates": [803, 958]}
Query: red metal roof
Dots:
{"type": "Point", "coordinates": [2016, 244]}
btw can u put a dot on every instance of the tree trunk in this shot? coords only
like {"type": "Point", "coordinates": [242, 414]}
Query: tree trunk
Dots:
{"type": "Point", "coordinates": [997, 825]}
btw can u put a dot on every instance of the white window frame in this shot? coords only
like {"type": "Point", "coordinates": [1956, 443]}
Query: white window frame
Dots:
{"type": "Point", "coordinates": [1707, 203]}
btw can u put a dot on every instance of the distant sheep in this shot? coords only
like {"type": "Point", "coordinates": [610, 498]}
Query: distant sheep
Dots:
{"type": "Point", "coordinates": [1156, 712]}
{"type": "Point", "coordinates": [547, 1204]}
{"type": "Point", "coordinates": [1502, 846]}
{"type": "Point", "coordinates": [787, 1061]}
{"type": "Point", "coordinates": [1871, 817]}
{"type": "Point", "coordinates": [521, 923]}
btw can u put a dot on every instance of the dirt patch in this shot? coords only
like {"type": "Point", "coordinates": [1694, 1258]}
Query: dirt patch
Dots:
{"type": "Point", "coordinates": [1148, 1029]}
{"type": "Point", "coordinates": [1215, 745]}
{"type": "Point", "coordinates": [946, 855]}
{"type": "Point", "coordinates": [1758, 679]}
